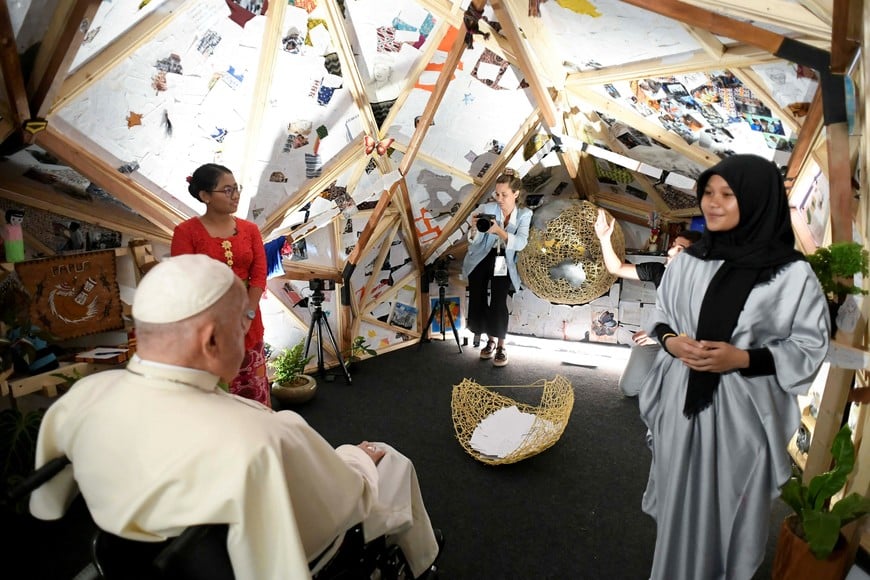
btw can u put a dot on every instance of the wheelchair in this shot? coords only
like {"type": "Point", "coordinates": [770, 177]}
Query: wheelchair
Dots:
{"type": "Point", "coordinates": [200, 552]}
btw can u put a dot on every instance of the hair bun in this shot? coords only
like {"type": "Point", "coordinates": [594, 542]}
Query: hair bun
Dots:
{"type": "Point", "coordinates": [189, 178]}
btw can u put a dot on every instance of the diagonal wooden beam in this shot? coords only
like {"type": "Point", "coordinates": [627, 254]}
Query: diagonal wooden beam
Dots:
{"type": "Point", "coordinates": [516, 25]}
{"type": "Point", "coordinates": [525, 131]}
{"type": "Point", "coordinates": [822, 9]}
{"type": "Point", "coordinates": [712, 22]}
{"type": "Point", "coordinates": [444, 78]}
{"type": "Point", "coordinates": [375, 217]}
{"type": "Point", "coordinates": [779, 13]}
{"type": "Point", "coordinates": [82, 154]}
{"type": "Point", "coordinates": [36, 195]}
{"type": "Point", "coordinates": [809, 131]}
{"type": "Point", "coordinates": [271, 39]}
{"type": "Point", "coordinates": [616, 145]}
{"type": "Point", "coordinates": [414, 74]}
{"type": "Point", "coordinates": [741, 55]}
{"type": "Point", "coordinates": [10, 64]}
{"type": "Point", "coordinates": [845, 34]}
{"type": "Point", "coordinates": [614, 109]}
{"type": "Point", "coordinates": [350, 73]}
{"type": "Point", "coordinates": [117, 51]}
{"type": "Point", "coordinates": [59, 45]}
{"type": "Point", "coordinates": [709, 42]}
{"type": "Point", "coordinates": [332, 170]}
{"type": "Point", "coordinates": [750, 79]}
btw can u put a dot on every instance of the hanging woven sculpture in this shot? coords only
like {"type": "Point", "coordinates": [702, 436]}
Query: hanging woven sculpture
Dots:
{"type": "Point", "coordinates": [562, 263]}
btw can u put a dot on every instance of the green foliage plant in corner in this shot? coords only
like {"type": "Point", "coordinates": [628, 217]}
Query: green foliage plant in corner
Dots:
{"type": "Point", "coordinates": [836, 265]}
{"type": "Point", "coordinates": [359, 349]}
{"type": "Point", "coordinates": [818, 522]}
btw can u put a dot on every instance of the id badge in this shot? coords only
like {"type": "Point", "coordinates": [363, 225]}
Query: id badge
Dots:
{"type": "Point", "coordinates": [500, 266]}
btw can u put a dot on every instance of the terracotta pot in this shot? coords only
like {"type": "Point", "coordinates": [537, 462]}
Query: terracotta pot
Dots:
{"type": "Point", "coordinates": [293, 394]}
{"type": "Point", "coordinates": [794, 561]}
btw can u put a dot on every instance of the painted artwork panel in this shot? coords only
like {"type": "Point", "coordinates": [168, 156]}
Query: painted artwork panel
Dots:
{"type": "Point", "coordinates": [73, 295]}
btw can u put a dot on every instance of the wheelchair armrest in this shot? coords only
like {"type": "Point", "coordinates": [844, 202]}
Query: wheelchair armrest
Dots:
{"type": "Point", "coordinates": [37, 478]}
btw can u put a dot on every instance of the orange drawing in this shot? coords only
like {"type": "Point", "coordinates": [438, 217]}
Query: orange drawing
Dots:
{"type": "Point", "coordinates": [444, 46]}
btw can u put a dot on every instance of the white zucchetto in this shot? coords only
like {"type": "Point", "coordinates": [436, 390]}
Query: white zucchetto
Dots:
{"type": "Point", "coordinates": [180, 287]}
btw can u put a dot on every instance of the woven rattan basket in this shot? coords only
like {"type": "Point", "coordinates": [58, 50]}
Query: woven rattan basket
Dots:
{"type": "Point", "coordinates": [471, 403]}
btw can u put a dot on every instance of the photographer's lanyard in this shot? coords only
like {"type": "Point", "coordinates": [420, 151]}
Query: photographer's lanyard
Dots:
{"type": "Point", "coordinates": [500, 267]}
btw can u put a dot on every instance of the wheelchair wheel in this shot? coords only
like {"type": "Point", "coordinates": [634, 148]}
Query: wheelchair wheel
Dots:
{"type": "Point", "coordinates": [392, 565]}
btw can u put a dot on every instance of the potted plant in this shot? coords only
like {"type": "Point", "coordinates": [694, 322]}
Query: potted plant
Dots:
{"type": "Point", "coordinates": [810, 544]}
{"type": "Point", "coordinates": [835, 266]}
{"type": "Point", "coordinates": [289, 383]}
{"type": "Point", "coordinates": [359, 349]}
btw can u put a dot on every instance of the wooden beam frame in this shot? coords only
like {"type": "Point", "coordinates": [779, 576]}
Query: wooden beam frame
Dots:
{"type": "Point", "coordinates": [735, 56]}
{"type": "Point", "coordinates": [529, 126]}
{"type": "Point", "coordinates": [350, 72]}
{"type": "Point", "coordinates": [23, 191]}
{"type": "Point", "coordinates": [68, 27]}
{"type": "Point", "coordinates": [118, 50]}
{"type": "Point", "coordinates": [779, 13]}
{"type": "Point", "coordinates": [625, 115]}
{"type": "Point", "coordinates": [332, 170]}
{"type": "Point", "coordinates": [76, 150]}
{"type": "Point", "coordinates": [10, 63]}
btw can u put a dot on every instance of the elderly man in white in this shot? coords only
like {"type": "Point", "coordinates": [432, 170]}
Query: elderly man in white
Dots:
{"type": "Point", "coordinates": [159, 446]}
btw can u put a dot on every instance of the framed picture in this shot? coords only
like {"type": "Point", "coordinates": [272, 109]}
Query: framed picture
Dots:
{"type": "Point", "coordinates": [452, 303]}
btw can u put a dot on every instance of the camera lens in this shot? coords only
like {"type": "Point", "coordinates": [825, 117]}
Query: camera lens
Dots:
{"type": "Point", "coordinates": [483, 224]}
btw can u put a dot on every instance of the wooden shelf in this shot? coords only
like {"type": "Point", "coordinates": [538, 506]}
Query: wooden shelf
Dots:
{"type": "Point", "coordinates": [46, 383]}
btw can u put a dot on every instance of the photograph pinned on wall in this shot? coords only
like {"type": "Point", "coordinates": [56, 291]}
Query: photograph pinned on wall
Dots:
{"type": "Point", "coordinates": [604, 324]}
{"type": "Point", "coordinates": [300, 251]}
{"type": "Point", "coordinates": [452, 304]}
{"type": "Point", "coordinates": [404, 316]}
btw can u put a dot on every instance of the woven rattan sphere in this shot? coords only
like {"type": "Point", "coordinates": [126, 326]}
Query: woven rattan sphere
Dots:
{"type": "Point", "coordinates": [569, 241]}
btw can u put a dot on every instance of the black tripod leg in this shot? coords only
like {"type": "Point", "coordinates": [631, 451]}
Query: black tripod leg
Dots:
{"type": "Point", "coordinates": [337, 351]}
{"type": "Point", "coordinates": [310, 332]}
{"type": "Point", "coordinates": [453, 326]}
{"type": "Point", "coordinates": [321, 366]}
{"type": "Point", "coordinates": [423, 337]}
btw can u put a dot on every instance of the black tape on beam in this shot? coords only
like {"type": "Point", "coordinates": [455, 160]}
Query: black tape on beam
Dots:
{"type": "Point", "coordinates": [833, 86]}
{"type": "Point", "coordinates": [345, 286]}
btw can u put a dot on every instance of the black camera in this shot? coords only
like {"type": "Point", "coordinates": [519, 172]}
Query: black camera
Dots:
{"type": "Point", "coordinates": [439, 273]}
{"type": "Point", "coordinates": [320, 285]}
{"type": "Point", "coordinates": [484, 221]}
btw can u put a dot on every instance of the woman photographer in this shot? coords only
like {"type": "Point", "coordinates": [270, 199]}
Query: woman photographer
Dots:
{"type": "Point", "coordinates": [498, 231]}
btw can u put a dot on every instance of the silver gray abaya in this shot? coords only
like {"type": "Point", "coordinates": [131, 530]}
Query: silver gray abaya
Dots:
{"type": "Point", "coordinates": [713, 477]}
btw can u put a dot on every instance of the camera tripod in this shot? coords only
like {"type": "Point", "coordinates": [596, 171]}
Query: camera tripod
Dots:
{"type": "Point", "coordinates": [319, 320]}
{"type": "Point", "coordinates": [441, 307]}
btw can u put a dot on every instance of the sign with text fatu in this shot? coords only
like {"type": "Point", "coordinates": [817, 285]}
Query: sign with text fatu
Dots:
{"type": "Point", "coordinates": [73, 295]}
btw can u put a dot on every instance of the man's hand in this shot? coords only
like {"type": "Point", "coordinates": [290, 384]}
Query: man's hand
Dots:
{"type": "Point", "coordinates": [603, 228]}
{"type": "Point", "coordinates": [373, 451]}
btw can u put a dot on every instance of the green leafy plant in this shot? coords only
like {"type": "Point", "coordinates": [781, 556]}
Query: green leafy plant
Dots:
{"type": "Point", "coordinates": [359, 349]}
{"type": "Point", "coordinates": [819, 523]}
{"type": "Point", "coordinates": [289, 364]}
{"type": "Point", "coordinates": [18, 434]}
{"type": "Point", "coordinates": [836, 265]}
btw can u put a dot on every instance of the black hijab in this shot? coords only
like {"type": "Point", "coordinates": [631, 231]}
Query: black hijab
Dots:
{"type": "Point", "coordinates": [753, 251]}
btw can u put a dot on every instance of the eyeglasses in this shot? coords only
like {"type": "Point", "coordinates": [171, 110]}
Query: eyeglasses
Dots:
{"type": "Point", "coordinates": [228, 190]}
